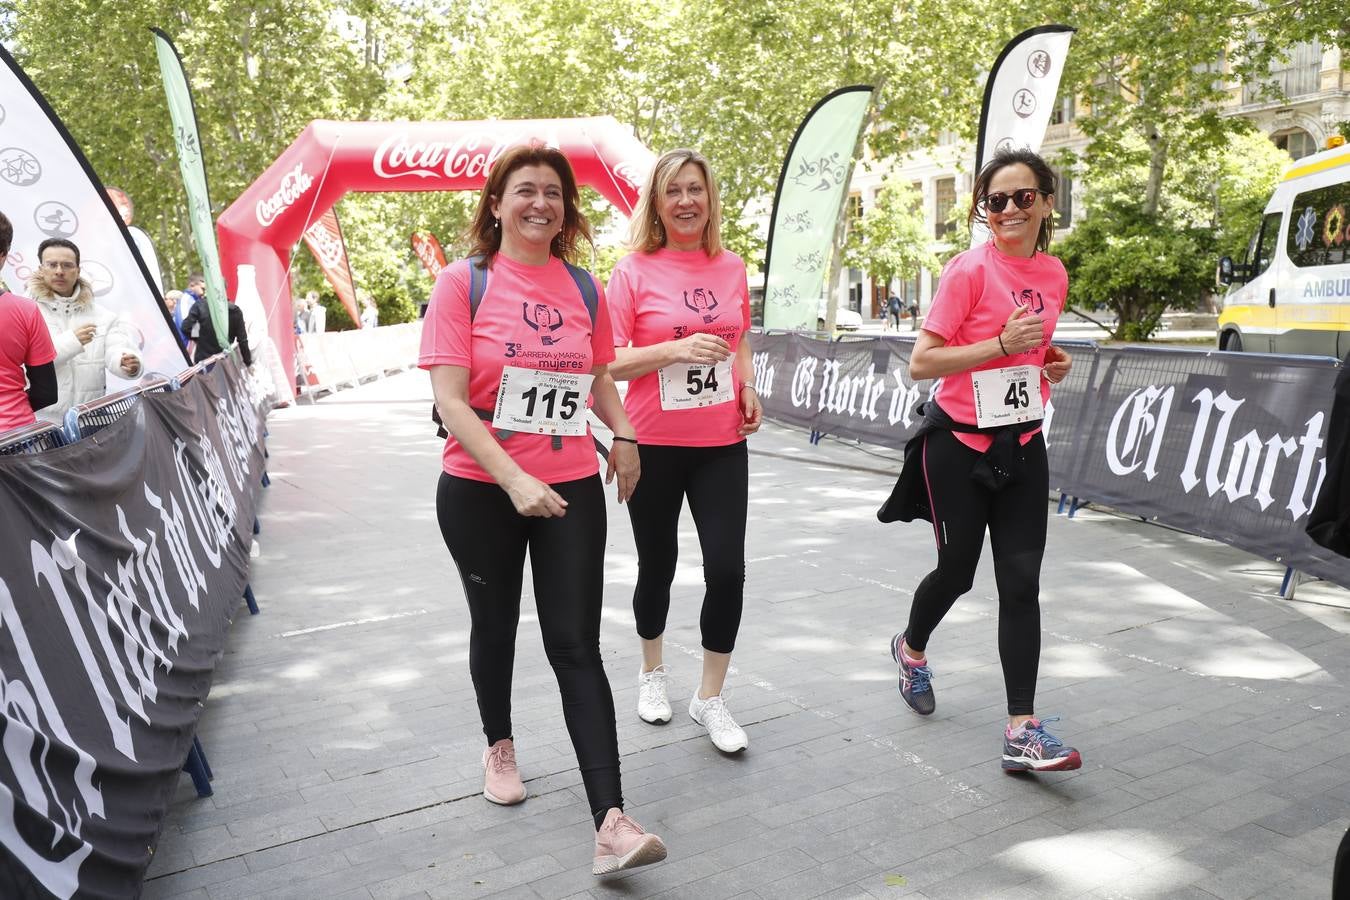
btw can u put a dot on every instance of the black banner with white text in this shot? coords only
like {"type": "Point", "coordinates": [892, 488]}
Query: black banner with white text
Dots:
{"type": "Point", "coordinates": [1223, 445]}
{"type": "Point", "coordinates": [125, 557]}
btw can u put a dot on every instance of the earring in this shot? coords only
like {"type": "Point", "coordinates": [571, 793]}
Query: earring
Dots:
{"type": "Point", "coordinates": [496, 223]}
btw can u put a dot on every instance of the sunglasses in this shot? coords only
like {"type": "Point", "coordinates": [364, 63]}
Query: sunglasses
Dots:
{"type": "Point", "coordinates": [1021, 198]}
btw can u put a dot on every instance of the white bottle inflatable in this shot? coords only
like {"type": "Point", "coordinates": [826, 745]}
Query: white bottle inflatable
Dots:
{"type": "Point", "coordinates": [267, 366]}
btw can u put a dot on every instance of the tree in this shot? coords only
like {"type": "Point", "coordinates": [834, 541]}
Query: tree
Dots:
{"type": "Point", "coordinates": [1138, 263]}
{"type": "Point", "coordinates": [1154, 74]}
{"type": "Point", "coordinates": [890, 240]}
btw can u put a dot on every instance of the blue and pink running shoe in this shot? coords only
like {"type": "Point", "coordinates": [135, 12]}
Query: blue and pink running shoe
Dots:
{"type": "Point", "coordinates": [1033, 749]}
{"type": "Point", "coordinates": [916, 687]}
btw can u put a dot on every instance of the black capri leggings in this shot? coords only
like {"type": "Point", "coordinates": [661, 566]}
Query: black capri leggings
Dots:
{"type": "Point", "coordinates": [488, 540]}
{"type": "Point", "coordinates": [716, 480]}
{"type": "Point", "coordinates": [1016, 520]}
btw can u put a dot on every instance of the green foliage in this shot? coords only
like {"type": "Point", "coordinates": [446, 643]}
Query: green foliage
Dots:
{"type": "Point", "coordinates": [890, 240]}
{"type": "Point", "coordinates": [1139, 263]}
{"type": "Point", "coordinates": [731, 79]}
{"type": "Point", "coordinates": [1127, 260]}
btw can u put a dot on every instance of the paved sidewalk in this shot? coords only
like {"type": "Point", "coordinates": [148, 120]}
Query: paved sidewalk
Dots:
{"type": "Point", "coordinates": [1212, 716]}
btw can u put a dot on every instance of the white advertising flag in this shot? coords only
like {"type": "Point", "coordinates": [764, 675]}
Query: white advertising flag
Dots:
{"type": "Point", "coordinates": [48, 189]}
{"type": "Point", "coordinates": [1020, 96]}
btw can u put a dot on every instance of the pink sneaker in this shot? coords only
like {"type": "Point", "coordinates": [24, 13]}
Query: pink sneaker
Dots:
{"type": "Point", "coordinates": [501, 778]}
{"type": "Point", "coordinates": [622, 844]}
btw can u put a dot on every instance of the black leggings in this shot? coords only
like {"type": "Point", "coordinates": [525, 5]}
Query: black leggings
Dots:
{"type": "Point", "coordinates": [488, 540]}
{"type": "Point", "coordinates": [716, 480]}
{"type": "Point", "coordinates": [1016, 519]}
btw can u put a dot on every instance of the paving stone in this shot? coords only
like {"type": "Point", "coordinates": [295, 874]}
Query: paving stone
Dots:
{"type": "Point", "coordinates": [348, 758]}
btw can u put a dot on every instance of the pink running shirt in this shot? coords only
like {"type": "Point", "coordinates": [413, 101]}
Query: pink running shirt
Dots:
{"type": "Point", "coordinates": [667, 295]}
{"type": "Point", "coordinates": [979, 290]}
{"type": "Point", "coordinates": [24, 341]}
{"type": "Point", "coordinates": [509, 330]}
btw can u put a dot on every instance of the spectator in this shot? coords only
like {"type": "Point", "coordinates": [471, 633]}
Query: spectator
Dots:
{"type": "Point", "coordinates": [173, 302]}
{"type": "Point", "coordinates": [318, 315]}
{"type": "Point", "coordinates": [893, 311]}
{"type": "Point", "coordinates": [199, 328]}
{"type": "Point", "coordinates": [26, 352]}
{"type": "Point", "coordinates": [301, 313]}
{"type": "Point", "coordinates": [196, 290]}
{"type": "Point", "coordinates": [91, 340]}
{"type": "Point", "coordinates": [370, 315]}
{"type": "Point", "coordinates": [913, 315]}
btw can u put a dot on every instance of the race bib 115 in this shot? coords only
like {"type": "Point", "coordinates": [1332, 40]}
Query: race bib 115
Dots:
{"type": "Point", "coordinates": [538, 402]}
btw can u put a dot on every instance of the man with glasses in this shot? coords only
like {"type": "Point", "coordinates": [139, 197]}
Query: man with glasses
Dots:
{"type": "Point", "coordinates": [26, 352]}
{"type": "Point", "coordinates": [91, 340]}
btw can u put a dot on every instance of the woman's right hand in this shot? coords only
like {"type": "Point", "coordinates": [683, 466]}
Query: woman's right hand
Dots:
{"type": "Point", "coordinates": [701, 349]}
{"type": "Point", "coordinates": [1022, 332]}
{"type": "Point", "coordinates": [531, 497]}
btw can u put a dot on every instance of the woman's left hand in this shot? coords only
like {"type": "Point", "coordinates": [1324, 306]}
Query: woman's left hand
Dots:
{"type": "Point", "coordinates": [752, 413]}
{"type": "Point", "coordinates": [1057, 364]}
{"type": "Point", "coordinates": [624, 462]}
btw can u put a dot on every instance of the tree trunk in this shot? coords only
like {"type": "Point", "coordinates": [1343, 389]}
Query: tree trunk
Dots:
{"type": "Point", "coordinates": [1157, 166]}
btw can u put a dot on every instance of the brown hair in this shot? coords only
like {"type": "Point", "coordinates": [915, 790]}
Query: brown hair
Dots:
{"type": "Point", "coordinates": [484, 234]}
{"type": "Point", "coordinates": [1045, 182]}
{"type": "Point", "coordinates": [646, 233]}
{"type": "Point", "coordinates": [6, 234]}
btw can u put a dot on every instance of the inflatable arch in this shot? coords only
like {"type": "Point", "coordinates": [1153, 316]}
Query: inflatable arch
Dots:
{"type": "Point", "coordinates": [329, 159]}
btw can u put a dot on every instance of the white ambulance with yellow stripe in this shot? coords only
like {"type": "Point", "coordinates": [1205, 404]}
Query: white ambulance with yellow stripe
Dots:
{"type": "Point", "coordinates": [1291, 293]}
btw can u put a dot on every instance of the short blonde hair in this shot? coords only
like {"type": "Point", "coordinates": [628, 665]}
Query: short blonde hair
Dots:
{"type": "Point", "coordinates": [646, 234]}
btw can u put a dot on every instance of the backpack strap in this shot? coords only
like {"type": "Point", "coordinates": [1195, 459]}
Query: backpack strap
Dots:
{"type": "Point", "coordinates": [586, 285]}
{"type": "Point", "coordinates": [477, 284]}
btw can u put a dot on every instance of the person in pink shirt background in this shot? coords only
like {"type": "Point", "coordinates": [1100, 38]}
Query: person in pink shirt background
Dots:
{"type": "Point", "coordinates": [511, 381]}
{"type": "Point", "coordinates": [681, 309]}
{"type": "Point", "coordinates": [27, 354]}
{"type": "Point", "coordinates": [987, 336]}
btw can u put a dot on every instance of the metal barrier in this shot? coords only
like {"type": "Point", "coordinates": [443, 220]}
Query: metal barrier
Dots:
{"type": "Point", "coordinates": [33, 438]}
{"type": "Point", "coordinates": [90, 418]}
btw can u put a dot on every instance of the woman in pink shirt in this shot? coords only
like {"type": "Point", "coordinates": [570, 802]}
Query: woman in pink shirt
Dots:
{"type": "Point", "coordinates": [517, 340]}
{"type": "Point", "coordinates": [981, 453]}
{"type": "Point", "coordinates": [681, 309]}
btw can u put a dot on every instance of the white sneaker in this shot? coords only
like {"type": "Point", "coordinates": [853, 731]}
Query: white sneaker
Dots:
{"type": "Point", "coordinates": [713, 715]}
{"type": "Point", "coordinates": [653, 702]}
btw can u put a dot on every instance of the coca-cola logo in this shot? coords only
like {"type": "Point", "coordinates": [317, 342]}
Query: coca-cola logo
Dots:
{"type": "Point", "coordinates": [293, 186]}
{"type": "Point", "coordinates": [629, 173]}
{"type": "Point", "coordinates": [468, 157]}
{"type": "Point", "coordinates": [327, 245]}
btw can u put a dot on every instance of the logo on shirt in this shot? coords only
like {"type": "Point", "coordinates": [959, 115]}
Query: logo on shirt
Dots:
{"type": "Point", "coordinates": [544, 320]}
{"type": "Point", "coordinates": [703, 302]}
{"type": "Point", "coordinates": [1031, 300]}
{"type": "Point", "coordinates": [681, 331]}
{"type": "Point", "coordinates": [512, 348]}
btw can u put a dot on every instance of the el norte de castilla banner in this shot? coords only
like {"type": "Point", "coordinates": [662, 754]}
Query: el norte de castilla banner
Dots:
{"type": "Point", "coordinates": [1228, 446]}
{"type": "Point", "coordinates": [127, 556]}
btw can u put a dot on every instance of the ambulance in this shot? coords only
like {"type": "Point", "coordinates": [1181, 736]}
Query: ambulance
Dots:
{"type": "Point", "coordinates": [1291, 292]}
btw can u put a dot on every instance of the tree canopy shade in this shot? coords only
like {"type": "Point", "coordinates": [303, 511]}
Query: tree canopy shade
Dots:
{"type": "Point", "coordinates": [730, 79]}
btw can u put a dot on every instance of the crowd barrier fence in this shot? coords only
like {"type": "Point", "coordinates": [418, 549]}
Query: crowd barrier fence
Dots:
{"type": "Point", "coordinates": [127, 539]}
{"type": "Point", "coordinates": [1228, 446]}
{"type": "Point", "coordinates": [332, 359]}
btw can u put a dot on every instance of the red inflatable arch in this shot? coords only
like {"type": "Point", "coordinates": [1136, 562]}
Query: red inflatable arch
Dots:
{"type": "Point", "coordinates": [328, 159]}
